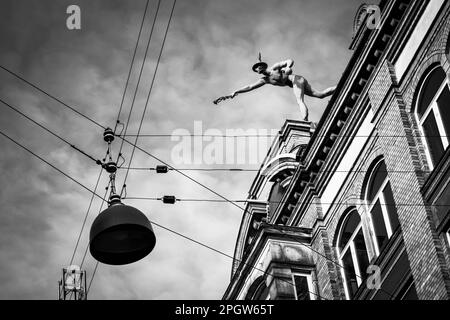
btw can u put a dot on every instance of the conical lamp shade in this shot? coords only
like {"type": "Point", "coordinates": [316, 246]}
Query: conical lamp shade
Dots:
{"type": "Point", "coordinates": [120, 235]}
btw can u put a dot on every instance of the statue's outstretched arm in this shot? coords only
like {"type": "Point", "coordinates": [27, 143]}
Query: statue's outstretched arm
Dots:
{"type": "Point", "coordinates": [248, 88]}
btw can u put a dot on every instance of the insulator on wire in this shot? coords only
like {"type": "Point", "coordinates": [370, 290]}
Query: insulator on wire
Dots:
{"type": "Point", "coordinates": [108, 135]}
{"type": "Point", "coordinates": [114, 199]}
{"type": "Point", "coordinates": [110, 167]}
{"type": "Point", "coordinates": [169, 199]}
{"type": "Point", "coordinates": [162, 169]}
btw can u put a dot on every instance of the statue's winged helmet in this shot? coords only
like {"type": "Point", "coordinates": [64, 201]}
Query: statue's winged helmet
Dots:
{"type": "Point", "coordinates": [259, 63]}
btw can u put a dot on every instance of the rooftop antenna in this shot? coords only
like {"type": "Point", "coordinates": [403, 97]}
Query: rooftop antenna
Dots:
{"type": "Point", "coordinates": [72, 285]}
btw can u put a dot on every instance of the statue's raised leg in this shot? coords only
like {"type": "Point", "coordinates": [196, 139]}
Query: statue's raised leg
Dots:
{"type": "Point", "coordinates": [309, 91]}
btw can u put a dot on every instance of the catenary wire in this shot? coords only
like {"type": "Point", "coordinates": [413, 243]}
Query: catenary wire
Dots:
{"type": "Point", "coordinates": [169, 135]}
{"type": "Point", "coordinates": [271, 135]}
{"type": "Point", "coordinates": [148, 153]}
{"type": "Point", "coordinates": [281, 202]}
{"type": "Point", "coordinates": [115, 128]}
{"type": "Point", "coordinates": [104, 200]}
{"type": "Point", "coordinates": [149, 92]}
{"type": "Point", "coordinates": [200, 135]}
{"type": "Point", "coordinates": [131, 65]}
{"type": "Point", "coordinates": [50, 131]}
{"type": "Point", "coordinates": [224, 254]}
{"type": "Point", "coordinates": [74, 147]}
{"type": "Point", "coordinates": [51, 96]}
{"type": "Point", "coordinates": [181, 169]}
{"type": "Point", "coordinates": [51, 165]}
{"type": "Point", "coordinates": [244, 210]}
{"type": "Point", "coordinates": [155, 157]}
{"type": "Point", "coordinates": [256, 170]}
{"type": "Point", "coordinates": [147, 101]}
{"type": "Point", "coordinates": [140, 75]}
{"type": "Point", "coordinates": [99, 211]}
{"type": "Point", "coordinates": [85, 218]}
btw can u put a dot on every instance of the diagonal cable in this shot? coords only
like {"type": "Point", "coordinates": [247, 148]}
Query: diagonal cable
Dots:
{"type": "Point", "coordinates": [120, 110]}
{"type": "Point", "coordinates": [150, 91]}
{"type": "Point", "coordinates": [140, 74]}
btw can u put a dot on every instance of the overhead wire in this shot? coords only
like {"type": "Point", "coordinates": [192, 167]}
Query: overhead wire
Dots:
{"type": "Point", "coordinates": [115, 127]}
{"type": "Point", "coordinates": [149, 92]}
{"type": "Point", "coordinates": [256, 170]}
{"type": "Point", "coordinates": [182, 169]}
{"type": "Point", "coordinates": [165, 163]}
{"type": "Point", "coordinates": [282, 202]}
{"type": "Point", "coordinates": [67, 142]}
{"type": "Point", "coordinates": [134, 145]}
{"type": "Point", "coordinates": [140, 75]}
{"type": "Point", "coordinates": [166, 135]}
{"type": "Point", "coordinates": [200, 135]}
{"type": "Point", "coordinates": [226, 255]}
{"type": "Point", "coordinates": [131, 64]}
{"type": "Point", "coordinates": [50, 131]}
{"type": "Point", "coordinates": [53, 97]}
{"type": "Point", "coordinates": [85, 218]}
{"type": "Point", "coordinates": [169, 135]}
{"type": "Point", "coordinates": [99, 211]}
{"type": "Point", "coordinates": [48, 163]}
{"type": "Point", "coordinates": [151, 155]}
{"type": "Point", "coordinates": [227, 200]}
{"type": "Point", "coordinates": [148, 96]}
{"type": "Point", "coordinates": [194, 169]}
{"type": "Point", "coordinates": [86, 188]}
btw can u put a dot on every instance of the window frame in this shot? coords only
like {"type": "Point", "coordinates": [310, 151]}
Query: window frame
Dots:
{"type": "Point", "coordinates": [350, 245]}
{"type": "Point", "coordinates": [432, 107]}
{"type": "Point", "coordinates": [311, 289]}
{"type": "Point", "coordinates": [448, 236]}
{"type": "Point", "coordinates": [379, 196]}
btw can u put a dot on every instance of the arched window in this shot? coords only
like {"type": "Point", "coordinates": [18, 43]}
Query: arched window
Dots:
{"type": "Point", "coordinates": [275, 196]}
{"type": "Point", "coordinates": [433, 103]}
{"type": "Point", "coordinates": [381, 206]}
{"type": "Point", "coordinates": [352, 253]}
{"type": "Point", "coordinates": [258, 290]}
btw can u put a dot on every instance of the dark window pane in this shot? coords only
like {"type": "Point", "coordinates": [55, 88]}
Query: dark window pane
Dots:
{"type": "Point", "coordinates": [301, 287]}
{"type": "Point", "coordinates": [361, 253]}
{"type": "Point", "coordinates": [377, 180]}
{"type": "Point", "coordinates": [429, 90]}
{"type": "Point", "coordinates": [408, 292]}
{"type": "Point", "coordinates": [444, 107]}
{"type": "Point", "coordinates": [262, 293]}
{"type": "Point", "coordinates": [276, 194]}
{"type": "Point", "coordinates": [379, 225]}
{"type": "Point", "coordinates": [350, 275]}
{"type": "Point", "coordinates": [433, 138]}
{"type": "Point", "coordinates": [390, 206]}
{"type": "Point", "coordinates": [349, 227]}
{"type": "Point", "coordinates": [411, 294]}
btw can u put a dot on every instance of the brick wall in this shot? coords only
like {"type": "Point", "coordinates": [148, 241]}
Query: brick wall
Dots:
{"type": "Point", "coordinates": [426, 258]}
{"type": "Point", "coordinates": [328, 280]}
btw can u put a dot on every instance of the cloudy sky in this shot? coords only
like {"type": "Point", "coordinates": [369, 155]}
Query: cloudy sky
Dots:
{"type": "Point", "coordinates": [209, 51]}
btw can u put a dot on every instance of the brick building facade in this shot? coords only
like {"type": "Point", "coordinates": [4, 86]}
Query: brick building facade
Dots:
{"type": "Point", "coordinates": [357, 206]}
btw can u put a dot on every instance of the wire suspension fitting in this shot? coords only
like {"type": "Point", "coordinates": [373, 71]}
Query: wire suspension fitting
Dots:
{"type": "Point", "coordinates": [110, 166]}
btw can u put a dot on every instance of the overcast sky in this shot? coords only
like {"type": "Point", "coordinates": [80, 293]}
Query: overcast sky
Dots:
{"type": "Point", "coordinates": [209, 51]}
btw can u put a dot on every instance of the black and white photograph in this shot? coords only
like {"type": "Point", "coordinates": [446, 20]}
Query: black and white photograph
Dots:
{"type": "Point", "coordinates": [236, 152]}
